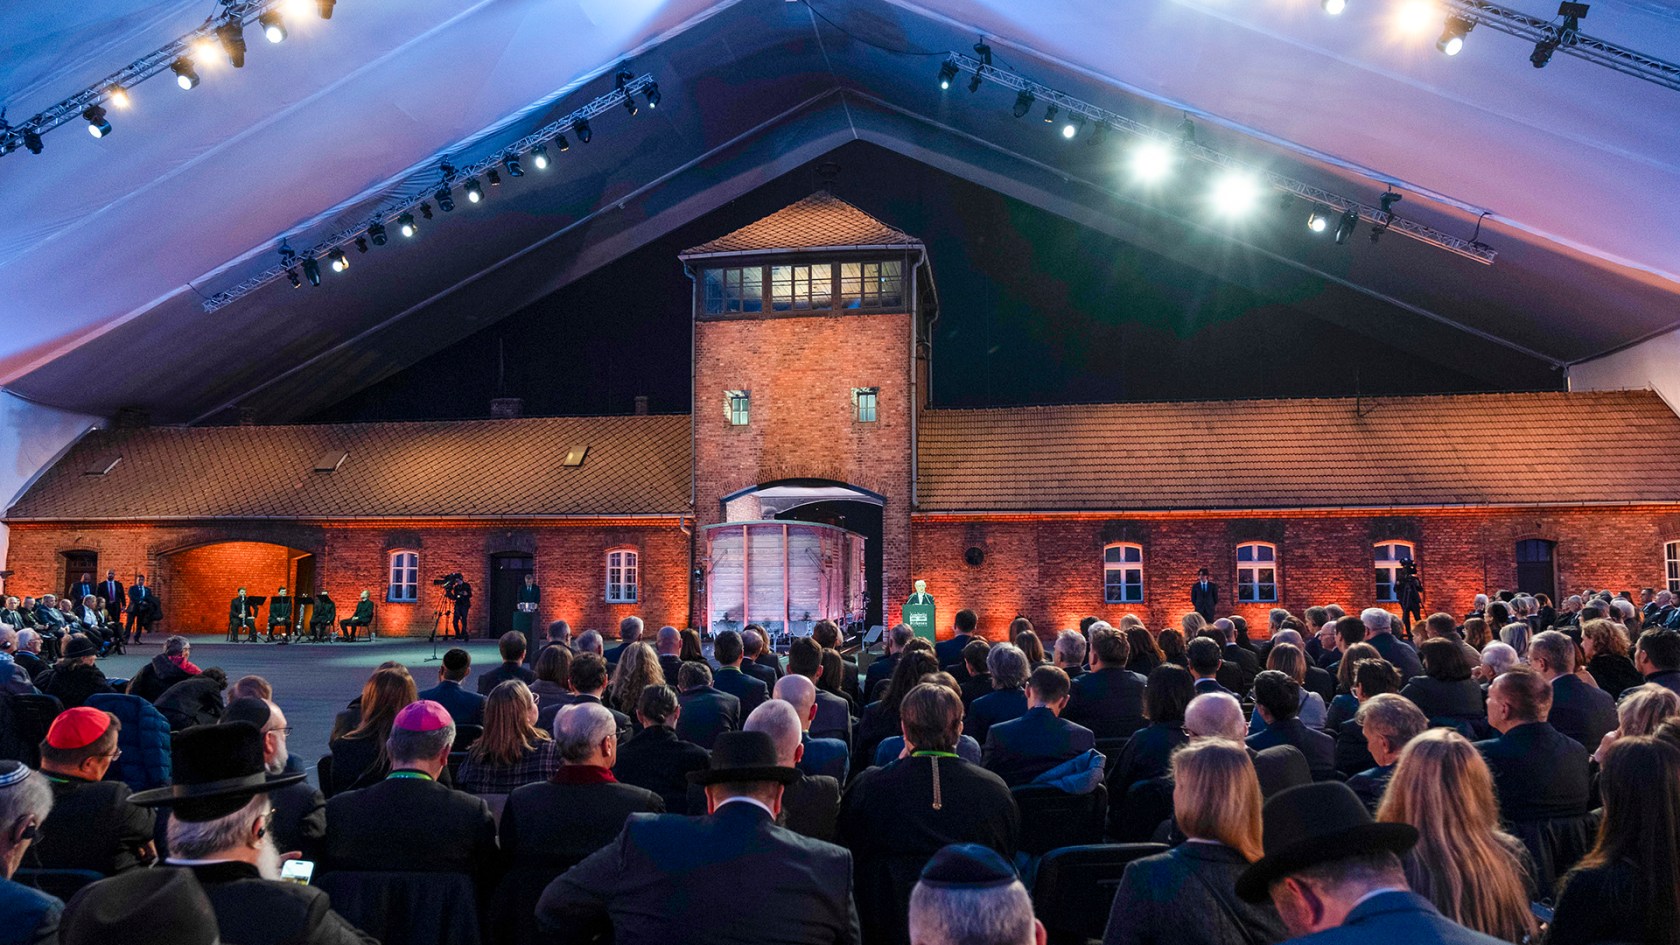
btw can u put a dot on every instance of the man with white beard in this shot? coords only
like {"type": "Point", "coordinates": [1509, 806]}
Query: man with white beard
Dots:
{"type": "Point", "coordinates": [300, 811]}
{"type": "Point", "coordinates": [218, 828]}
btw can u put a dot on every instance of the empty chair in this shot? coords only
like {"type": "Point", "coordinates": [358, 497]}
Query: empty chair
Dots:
{"type": "Point", "coordinates": [1051, 817]}
{"type": "Point", "coordinates": [1075, 887]}
{"type": "Point", "coordinates": [413, 908]}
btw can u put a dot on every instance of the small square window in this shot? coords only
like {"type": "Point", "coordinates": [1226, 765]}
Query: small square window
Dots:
{"type": "Point", "coordinates": [737, 407]}
{"type": "Point", "coordinates": [863, 403]}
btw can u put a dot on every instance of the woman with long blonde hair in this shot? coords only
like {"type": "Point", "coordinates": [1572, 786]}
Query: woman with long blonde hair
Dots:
{"type": "Point", "coordinates": [1473, 872]}
{"type": "Point", "coordinates": [512, 751]}
{"type": "Point", "coordinates": [637, 669]}
{"type": "Point", "coordinates": [1186, 895]}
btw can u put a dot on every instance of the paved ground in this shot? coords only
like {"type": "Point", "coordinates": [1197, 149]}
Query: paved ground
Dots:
{"type": "Point", "coordinates": [311, 682]}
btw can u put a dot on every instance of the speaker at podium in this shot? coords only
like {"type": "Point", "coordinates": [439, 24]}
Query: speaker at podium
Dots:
{"type": "Point", "coordinates": [919, 613]}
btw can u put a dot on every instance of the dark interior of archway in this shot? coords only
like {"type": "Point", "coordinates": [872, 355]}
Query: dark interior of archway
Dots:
{"type": "Point", "coordinates": [863, 518]}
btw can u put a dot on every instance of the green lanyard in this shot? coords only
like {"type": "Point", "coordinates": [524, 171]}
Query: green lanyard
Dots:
{"type": "Point", "coordinates": [414, 775]}
{"type": "Point", "coordinates": [934, 754]}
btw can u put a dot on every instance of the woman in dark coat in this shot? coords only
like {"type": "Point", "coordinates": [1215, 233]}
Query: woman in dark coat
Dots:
{"type": "Point", "coordinates": [1446, 689]}
{"type": "Point", "coordinates": [1148, 753]}
{"type": "Point", "coordinates": [1606, 648]}
{"type": "Point", "coordinates": [75, 677]}
{"type": "Point", "coordinates": [194, 701]}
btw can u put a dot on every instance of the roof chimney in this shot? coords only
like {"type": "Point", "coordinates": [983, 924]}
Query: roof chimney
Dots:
{"type": "Point", "coordinates": [507, 408]}
{"type": "Point", "coordinates": [641, 405]}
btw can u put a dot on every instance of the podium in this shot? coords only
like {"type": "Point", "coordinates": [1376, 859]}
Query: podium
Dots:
{"type": "Point", "coordinates": [921, 619]}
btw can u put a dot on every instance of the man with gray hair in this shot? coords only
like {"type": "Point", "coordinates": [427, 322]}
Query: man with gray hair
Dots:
{"type": "Point", "coordinates": [810, 803]}
{"type": "Point", "coordinates": [1379, 632]}
{"type": "Point", "coordinates": [589, 641]}
{"type": "Point", "coordinates": [1220, 715]}
{"type": "Point", "coordinates": [629, 631]}
{"type": "Point", "coordinates": [1069, 652]}
{"type": "Point", "coordinates": [25, 801]}
{"type": "Point", "coordinates": [1008, 699]}
{"type": "Point", "coordinates": [28, 653]}
{"type": "Point", "coordinates": [555, 823]}
{"type": "Point", "coordinates": [969, 895]}
{"type": "Point", "coordinates": [1388, 721]}
{"type": "Point", "coordinates": [1580, 709]}
{"type": "Point", "coordinates": [14, 678]}
{"type": "Point", "coordinates": [819, 756]}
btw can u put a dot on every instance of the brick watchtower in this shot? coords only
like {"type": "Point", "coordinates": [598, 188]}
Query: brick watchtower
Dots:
{"type": "Point", "coordinates": [811, 332]}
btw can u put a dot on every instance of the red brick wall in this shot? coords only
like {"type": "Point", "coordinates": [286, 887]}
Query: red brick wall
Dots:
{"type": "Point", "coordinates": [204, 580]}
{"type": "Point", "coordinates": [1050, 569]}
{"type": "Point", "coordinates": [801, 371]}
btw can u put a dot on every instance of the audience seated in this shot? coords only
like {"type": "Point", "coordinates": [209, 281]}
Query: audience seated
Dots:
{"type": "Point", "coordinates": [668, 643]}
{"type": "Point", "coordinates": [1068, 653]}
{"type": "Point", "coordinates": [1463, 863]}
{"type": "Point", "coordinates": [1538, 772]}
{"type": "Point", "coordinates": [1288, 659]}
{"type": "Point", "coordinates": [894, 819]}
{"type": "Point", "coordinates": [760, 662]}
{"type": "Point", "coordinates": [94, 824]}
{"type": "Point", "coordinates": [165, 669]}
{"type": "Point", "coordinates": [978, 679]}
{"type": "Point", "coordinates": [75, 677]}
{"type": "Point", "coordinates": [1642, 710]}
{"type": "Point", "coordinates": [1108, 700]}
{"type": "Point", "coordinates": [1371, 678]}
{"type": "Point", "coordinates": [1148, 754]}
{"type": "Point", "coordinates": [26, 800]}
{"type": "Point", "coordinates": [1188, 895]}
{"type": "Point", "coordinates": [1143, 652]}
{"type": "Point", "coordinates": [810, 802]}
{"type": "Point", "coordinates": [949, 652]}
{"type": "Point", "coordinates": [1245, 660]}
{"type": "Point", "coordinates": [655, 758]}
{"type": "Point", "coordinates": [1277, 699]}
{"type": "Point", "coordinates": [1606, 647]}
{"type": "Point", "coordinates": [512, 751]}
{"type": "Point", "coordinates": [299, 819]}
{"type": "Point", "coordinates": [1657, 658]}
{"type": "Point", "coordinates": [751, 691]}
{"type": "Point", "coordinates": [359, 757]}
{"type": "Point", "coordinates": [1388, 722]}
{"type": "Point", "coordinates": [553, 687]}
{"type": "Point", "coordinates": [880, 718]}
{"type": "Point", "coordinates": [827, 635]}
{"type": "Point", "coordinates": [834, 718]}
{"type": "Point", "coordinates": [967, 748]}
{"type": "Point", "coordinates": [196, 700]}
{"type": "Point", "coordinates": [818, 756]}
{"type": "Point", "coordinates": [512, 648]}
{"type": "Point", "coordinates": [466, 708]}
{"type": "Point", "coordinates": [556, 823]}
{"type": "Point", "coordinates": [1205, 665]}
{"type": "Point", "coordinates": [1627, 887]}
{"type": "Point", "coordinates": [969, 895]}
{"type": "Point", "coordinates": [706, 712]}
{"type": "Point", "coordinates": [1020, 750]}
{"type": "Point", "coordinates": [1379, 627]}
{"type": "Point", "coordinates": [893, 643]}
{"type": "Point", "coordinates": [1580, 709]}
{"type": "Point", "coordinates": [589, 685]}
{"type": "Point", "coordinates": [638, 668]}
{"type": "Point", "coordinates": [1342, 708]}
{"type": "Point", "coordinates": [629, 632]}
{"type": "Point", "coordinates": [1445, 690]}
{"type": "Point", "coordinates": [656, 881]}
{"type": "Point", "coordinates": [1218, 715]}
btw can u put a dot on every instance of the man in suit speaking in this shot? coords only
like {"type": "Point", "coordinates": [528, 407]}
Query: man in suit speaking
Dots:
{"type": "Point", "coordinates": [1204, 595]}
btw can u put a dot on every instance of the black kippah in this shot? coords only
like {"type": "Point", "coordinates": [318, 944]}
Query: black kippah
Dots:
{"type": "Point", "coordinates": [967, 865]}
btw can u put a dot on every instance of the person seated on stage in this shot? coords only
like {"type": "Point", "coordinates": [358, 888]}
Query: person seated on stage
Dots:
{"type": "Point", "coordinates": [93, 825]}
{"type": "Point", "coordinates": [26, 801]}
{"type": "Point", "coordinates": [242, 617]}
{"type": "Point", "coordinates": [363, 617]}
{"type": "Point", "coordinates": [512, 751]}
{"type": "Point", "coordinates": [968, 893]}
{"type": "Point", "coordinates": [11, 615]}
{"type": "Point", "coordinates": [165, 669]}
{"type": "Point", "coordinates": [75, 677]}
{"type": "Point", "coordinates": [512, 647]}
{"type": "Point", "coordinates": [322, 618]}
{"type": "Point", "coordinates": [280, 615]}
{"type": "Point", "coordinates": [465, 707]}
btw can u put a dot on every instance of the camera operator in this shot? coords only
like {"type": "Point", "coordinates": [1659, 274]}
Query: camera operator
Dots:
{"type": "Point", "coordinates": [458, 589]}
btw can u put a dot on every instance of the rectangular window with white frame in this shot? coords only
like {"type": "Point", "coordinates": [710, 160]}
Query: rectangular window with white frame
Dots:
{"type": "Point", "coordinates": [1123, 573]}
{"type": "Point", "coordinates": [864, 403]}
{"type": "Point", "coordinates": [622, 577]}
{"type": "Point", "coordinates": [404, 584]}
{"type": "Point", "coordinates": [1671, 563]}
{"type": "Point", "coordinates": [1257, 572]}
{"type": "Point", "coordinates": [1387, 558]}
{"type": "Point", "coordinates": [737, 407]}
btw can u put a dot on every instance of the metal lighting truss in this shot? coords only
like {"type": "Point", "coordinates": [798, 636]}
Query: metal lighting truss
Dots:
{"type": "Point", "coordinates": [425, 186]}
{"type": "Point", "coordinates": [1571, 41]}
{"type": "Point", "coordinates": [70, 109]}
{"type": "Point", "coordinates": [1469, 249]}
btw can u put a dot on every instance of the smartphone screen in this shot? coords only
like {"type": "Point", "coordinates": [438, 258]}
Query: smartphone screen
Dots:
{"type": "Point", "coordinates": [297, 871]}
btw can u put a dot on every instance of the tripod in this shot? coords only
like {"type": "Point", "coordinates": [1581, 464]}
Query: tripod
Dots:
{"type": "Point", "coordinates": [443, 616]}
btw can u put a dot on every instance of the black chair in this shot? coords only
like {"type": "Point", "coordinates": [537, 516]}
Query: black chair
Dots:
{"type": "Point", "coordinates": [33, 716]}
{"type": "Point", "coordinates": [1111, 749]}
{"type": "Point", "coordinates": [323, 775]}
{"type": "Point", "coordinates": [1051, 817]}
{"type": "Point", "coordinates": [1554, 846]}
{"type": "Point", "coordinates": [59, 883]}
{"type": "Point", "coordinates": [1138, 815]}
{"type": "Point", "coordinates": [513, 908]}
{"type": "Point", "coordinates": [465, 735]}
{"type": "Point", "coordinates": [413, 908]}
{"type": "Point", "coordinates": [453, 766]}
{"type": "Point", "coordinates": [1075, 888]}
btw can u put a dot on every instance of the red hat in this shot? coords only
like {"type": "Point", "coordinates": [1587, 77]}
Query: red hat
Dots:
{"type": "Point", "coordinates": [423, 716]}
{"type": "Point", "coordinates": [78, 728]}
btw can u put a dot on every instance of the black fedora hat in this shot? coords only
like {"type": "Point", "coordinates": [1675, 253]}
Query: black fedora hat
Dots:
{"type": "Point", "coordinates": [165, 906]}
{"type": "Point", "coordinates": [78, 646]}
{"type": "Point", "coordinates": [218, 769]}
{"type": "Point", "coordinates": [1317, 823]}
{"type": "Point", "coordinates": [744, 756]}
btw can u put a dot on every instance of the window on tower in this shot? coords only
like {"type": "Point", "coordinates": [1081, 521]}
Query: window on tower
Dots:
{"type": "Point", "coordinates": [801, 287]}
{"type": "Point", "coordinates": [863, 403]}
{"type": "Point", "coordinates": [737, 407]}
{"type": "Point", "coordinates": [871, 284]}
{"type": "Point", "coordinates": [734, 291]}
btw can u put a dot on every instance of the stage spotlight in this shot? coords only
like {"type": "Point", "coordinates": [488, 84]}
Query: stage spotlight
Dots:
{"type": "Point", "coordinates": [325, 8]}
{"type": "Point", "coordinates": [338, 261]}
{"type": "Point", "coordinates": [118, 97]}
{"type": "Point", "coordinates": [406, 226]}
{"type": "Point", "coordinates": [1071, 128]}
{"type": "Point", "coordinates": [475, 191]}
{"type": "Point", "coordinates": [621, 82]}
{"type": "Point", "coordinates": [425, 211]}
{"type": "Point", "coordinates": [95, 117]}
{"type": "Point", "coordinates": [361, 244]}
{"type": "Point", "coordinates": [947, 72]}
{"type": "Point", "coordinates": [1344, 226]}
{"type": "Point", "coordinates": [1317, 221]}
{"type": "Point", "coordinates": [510, 162]}
{"type": "Point", "coordinates": [652, 93]}
{"type": "Point", "coordinates": [1542, 53]}
{"type": "Point", "coordinates": [32, 140]}
{"type": "Point", "coordinates": [1235, 193]}
{"type": "Point", "coordinates": [273, 26]}
{"type": "Point", "coordinates": [1388, 200]}
{"type": "Point", "coordinates": [581, 127]}
{"type": "Point", "coordinates": [1023, 103]}
{"type": "Point", "coordinates": [292, 277]}
{"type": "Point", "coordinates": [1099, 135]}
{"type": "Point", "coordinates": [539, 157]}
{"type": "Point", "coordinates": [561, 144]}
{"type": "Point", "coordinates": [495, 178]}
{"type": "Point", "coordinates": [985, 53]}
{"type": "Point", "coordinates": [1050, 115]}
{"type": "Point", "coordinates": [1452, 37]}
{"type": "Point", "coordinates": [185, 75]}
{"type": "Point", "coordinates": [1334, 7]}
{"type": "Point", "coordinates": [445, 199]}
{"type": "Point", "coordinates": [1186, 132]}
{"type": "Point", "coordinates": [1151, 162]}
{"type": "Point", "coordinates": [232, 37]}
{"type": "Point", "coordinates": [376, 232]}
{"type": "Point", "coordinates": [311, 269]}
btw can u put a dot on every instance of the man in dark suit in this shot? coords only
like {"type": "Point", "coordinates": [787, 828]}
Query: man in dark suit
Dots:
{"type": "Point", "coordinates": [1206, 665]}
{"type": "Point", "coordinates": [466, 708]}
{"type": "Point", "coordinates": [834, 718]}
{"type": "Point", "coordinates": [1022, 749]}
{"type": "Point", "coordinates": [726, 649]}
{"type": "Point", "coordinates": [668, 643]}
{"type": "Point", "coordinates": [1335, 876]}
{"type": "Point", "coordinates": [512, 648]}
{"type": "Point", "coordinates": [1219, 715]}
{"type": "Point", "coordinates": [461, 619]}
{"type": "Point", "coordinates": [629, 631]}
{"type": "Point", "coordinates": [802, 887]}
{"type": "Point", "coordinates": [409, 821]}
{"type": "Point", "coordinates": [818, 756]}
{"type": "Point", "coordinates": [827, 635]}
{"type": "Point", "coordinates": [1278, 700]}
{"type": "Point", "coordinates": [82, 588]}
{"type": "Point", "coordinates": [706, 712]}
{"type": "Point", "coordinates": [299, 819]}
{"type": "Point", "coordinates": [949, 652]}
{"type": "Point", "coordinates": [1388, 720]}
{"type": "Point", "coordinates": [879, 672]}
{"type": "Point", "coordinates": [1579, 709]}
{"type": "Point", "coordinates": [558, 822]}
{"type": "Point", "coordinates": [1539, 773]}
{"type": "Point", "coordinates": [763, 655]}
{"type": "Point", "coordinates": [1068, 653]}
{"type": "Point", "coordinates": [979, 679]}
{"type": "Point", "coordinates": [141, 604]}
{"type": "Point", "coordinates": [1379, 626]}
{"type": "Point", "coordinates": [1008, 698]}
{"type": "Point", "coordinates": [1658, 658]}
{"type": "Point", "coordinates": [589, 681]}
{"type": "Point", "coordinates": [655, 758]}
{"type": "Point", "coordinates": [810, 804]}
{"type": "Point", "coordinates": [894, 819]}
{"type": "Point", "coordinates": [1244, 659]}
{"type": "Point", "coordinates": [1204, 596]}
{"type": "Point", "coordinates": [753, 656]}
{"type": "Point", "coordinates": [94, 824]}
{"type": "Point", "coordinates": [219, 829]}
{"type": "Point", "coordinates": [1108, 700]}
{"type": "Point", "coordinates": [116, 597]}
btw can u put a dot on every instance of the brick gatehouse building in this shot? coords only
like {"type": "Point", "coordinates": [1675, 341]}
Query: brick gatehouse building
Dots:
{"type": "Point", "coordinates": [812, 362]}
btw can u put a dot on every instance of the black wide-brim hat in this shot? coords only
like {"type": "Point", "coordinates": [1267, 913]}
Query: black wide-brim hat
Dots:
{"type": "Point", "coordinates": [1316, 823]}
{"type": "Point", "coordinates": [217, 770]}
{"type": "Point", "coordinates": [744, 756]}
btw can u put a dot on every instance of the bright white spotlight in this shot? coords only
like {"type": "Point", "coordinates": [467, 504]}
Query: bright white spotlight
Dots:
{"type": "Point", "coordinates": [1235, 193]}
{"type": "Point", "coordinates": [1334, 7]}
{"type": "Point", "coordinates": [1151, 162]}
{"type": "Point", "coordinates": [1415, 18]}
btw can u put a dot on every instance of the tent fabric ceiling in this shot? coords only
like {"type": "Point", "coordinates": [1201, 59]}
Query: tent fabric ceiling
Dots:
{"type": "Point", "coordinates": [109, 246]}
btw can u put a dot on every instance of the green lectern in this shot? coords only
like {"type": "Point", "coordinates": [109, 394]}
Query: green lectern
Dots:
{"type": "Point", "coordinates": [918, 613]}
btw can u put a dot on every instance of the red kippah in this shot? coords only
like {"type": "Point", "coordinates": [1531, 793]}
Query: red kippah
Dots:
{"type": "Point", "coordinates": [77, 728]}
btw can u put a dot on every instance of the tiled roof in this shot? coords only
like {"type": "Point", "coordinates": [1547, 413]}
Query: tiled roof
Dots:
{"type": "Point", "coordinates": [1537, 448]}
{"type": "Point", "coordinates": [820, 221]}
{"type": "Point", "coordinates": [471, 468]}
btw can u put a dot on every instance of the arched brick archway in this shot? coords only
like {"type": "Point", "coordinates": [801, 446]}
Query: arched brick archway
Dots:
{"type": "Point", "coordinates": [196, 581]}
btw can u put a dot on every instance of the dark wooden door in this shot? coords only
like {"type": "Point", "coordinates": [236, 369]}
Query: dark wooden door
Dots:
{"type": "Point", "coordinates": [1535, 571]}
{"type": "Point", "coordinates": [76, 564]}
{"type": "Point", "coordinates": [507, 573]}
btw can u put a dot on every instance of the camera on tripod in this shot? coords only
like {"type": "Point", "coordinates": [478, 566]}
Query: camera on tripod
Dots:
{"type": "Point", "coordinates": [448, 581]}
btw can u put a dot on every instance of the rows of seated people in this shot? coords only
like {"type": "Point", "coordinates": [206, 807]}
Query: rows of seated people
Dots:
{"type": "Point", "coordinates": [1497, 777]}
